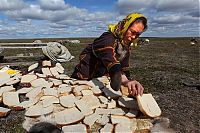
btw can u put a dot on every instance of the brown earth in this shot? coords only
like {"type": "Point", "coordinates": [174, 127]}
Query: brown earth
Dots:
{"type": "Point", "coordinates": [165, 67]}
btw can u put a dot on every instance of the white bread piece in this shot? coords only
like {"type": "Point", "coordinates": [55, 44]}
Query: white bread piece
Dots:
{"type": "Point", "coordinates": [80, 82]}
{"type": "Point", "coordinates": [68, 116]}
{"type": "Point", "coordinates": [34, 93]}
{"type": "Point", "coordinates": [13, 81]}
{"type": "Point", "coordinates": [50, 92]}
{"type": "Point", "coordinates": [32, 67]}
{"type": "Point", "coordinates": [68, 101]}
{"type": "Point", "coordinates": [29, 103]}
{"type": "Point", "coordinates": [78, 128]}
{"type": "Point", "coordinates": [4, 78]}
{"type": "Point", "coordinates": [104, 80]}
{"type": "Point", "coordinates": [86, 92]}
{"type": "Point", "coordinates": [111, 104]}
{"type": "Point", "coordinates": [84, 107]}
{"type": "Point", "coordinates": [108, 128]}
{"type": "Point", "coordinates": [54, 71]}
{"type": "Point", "coordinates": [57, 82]}
{"type": "Point", "coordinates": [96, 90]}
{"type": "Point", "coordinates": [115, 119]}
{"type": "Point", "coordinates": [103, 120]}
{"type": "Point", "coordinates": [40, 75]}
{"type": "Point", "coordinates": [91, 119]}
{"type": "Point", "coordinates": [46, 63]}
{"type": "Point", "coordinates": [132, 113]}
{"type": "Point", "coordinates": [64, 90]}
{"type": "Point", "coordinates": [24, 90]}
{"type": "Point", "coordinates": [148, 105]}
{"type": "Point", "coordinates": [103, 99]}
{"type": "Point", "coordinates": [102, 111]}
{"type": "Point", "coordinates": [40, 82]}
{"type": "Point", "coordinates": [122, 128]}
{"type": "Point", "coordinates": [6, 89]}
{"type": "Point", "coordinates": [49, 100]}
{"type": "Point", "coordinates": [46, 71]}
{"type": "Point", "coordinates": [115, 111]}
{"type": "Point", "coordinates": [103, 106]}
{"type": "Point", "coordinates": [96, 82]}
{"type": "Point", "coordinates": [110, 93]}
{"type": "Point", "coordinates": [4, 111]}
{"type": "Point", "coordinates": [38, 110]}
{"type": "Point", "coordinates": [118, 111]}
{"type": "Point", "coordinates": [92, 100]}
{"type": "Point", "coordinates": [28, 78]}
{"type": "Point", "coordinates": [59, 68]}
{"type": "Point", "coordinates": [62, 76]}
{"type": "Point", "coordinates": [77, 91]}
{"type": "Point", "coordinates": [144, 124]}
{"type": "Point", "coordinates": [58, 108]}
{"type": "Point", "coordinates": [128, 103]}
{"type": "Point", "coordinates": [11, 99]}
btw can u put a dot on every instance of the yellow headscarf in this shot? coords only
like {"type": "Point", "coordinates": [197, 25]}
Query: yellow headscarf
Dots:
{"type": "Point", "coordinates": [120, 29]}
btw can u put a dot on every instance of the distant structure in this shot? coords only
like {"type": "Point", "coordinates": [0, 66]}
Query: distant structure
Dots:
{"type": "Point", "coordinates": [143, 41]}
{"type": "Point", "coordinates": [193, 41]}
{"type": "Point", "coordinates": [69, 41]}
{"type": "Point", "coordinates": [37, 41]}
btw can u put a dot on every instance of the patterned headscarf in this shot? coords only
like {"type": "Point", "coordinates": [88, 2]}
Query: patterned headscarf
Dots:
{"type": "Point", "coordinates": [120, 29]}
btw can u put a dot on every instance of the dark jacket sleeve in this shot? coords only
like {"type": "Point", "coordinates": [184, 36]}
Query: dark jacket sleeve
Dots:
{"type": "Point", "coordinates": [104, 49]}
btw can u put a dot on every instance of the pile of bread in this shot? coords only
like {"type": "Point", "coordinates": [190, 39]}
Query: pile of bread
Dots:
{"type": "Point", "coordinates": [74, 105]}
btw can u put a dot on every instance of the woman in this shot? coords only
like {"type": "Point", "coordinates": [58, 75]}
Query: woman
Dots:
{"type": "Point", "coordinates": [109, 54]}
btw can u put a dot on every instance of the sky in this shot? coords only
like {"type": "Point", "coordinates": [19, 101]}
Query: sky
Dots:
{"type": "Point", "coordinates": [90, 18]}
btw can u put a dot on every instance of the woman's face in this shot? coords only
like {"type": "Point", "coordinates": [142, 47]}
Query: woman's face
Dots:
{"type": "Point", "coordinates": [133, 32]}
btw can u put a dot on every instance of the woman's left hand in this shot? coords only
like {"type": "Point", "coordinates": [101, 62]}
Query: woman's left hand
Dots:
{"type": "Point", "coordinates": [134, 87]}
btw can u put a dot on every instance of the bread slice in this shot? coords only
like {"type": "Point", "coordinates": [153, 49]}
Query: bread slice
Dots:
{"type": "Point", "coordinates": [32, 67]}
{"type": "Point", "coordinates": [54, 71]}
{"type": "Point", "coordinates": [115, 119]}
{"type": "Point", "coordinates": [92, 100]}
{"type": "Point", "coordinates": [40, 82]}
{"type": "Point", "coordinates": [11, 99]}
{"type": "Point", "coordinates": [108, 128]}
{"type": "Point", "coordinates": [84, 107]}
{"type": "Point", "coordinates": [96, 90]}
{"type": "Point", "coordinates": [38, 110]}
{"type": "Point", "coordinates": [24, 90]}
{"type": "Point", "coordinates": [103, 120]}
{"type": "Point", "coordinates": [87, 92]}
{"type": "Point", "coordinates": [68, 101]}
{"type": "Point", "coordinates": [4, 111]}
{"type": "Point", "coordinates": [59, 68]}
{"type": "Point", "coordinates": [13, 81]}
{"type": "Point", "coordinates": [34, 93]}
{"type": "Point", "coordinates": [28, 78]}
{"type": "Point", "coordinates": [50, 92]}
{"type": "Point", "coordinates": [6, 89]}
{"type": "Point", "coordinates": [78, 128]}
{"type": "Point", "coordinates": [123, 128]}
{"type": "Point", "coordinates": [46, 71]}
{"type": "Point", "coordinates": [91, 119]}
{"type": "Point", "coordinates": [68, 116]}
{"type": "Point", "coordinates": [111, 104]}
{"type": "Point", "coordinates": [46, 63]}
{"type": "Point", "coordinates": [4, 77]}
{"type": "Point", "coordinates": [148, 105]}
{"type": "Point", "coordinates": [49, 100]}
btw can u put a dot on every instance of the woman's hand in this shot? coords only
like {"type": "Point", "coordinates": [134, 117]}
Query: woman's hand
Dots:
{"type": "Point", "coordinates": [134, 87]}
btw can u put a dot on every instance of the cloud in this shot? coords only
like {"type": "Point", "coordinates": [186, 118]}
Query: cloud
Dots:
{"type": "Point", "coordinates": [12, 5]}
{"type": "Point", "coordinates": [52, 4]}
